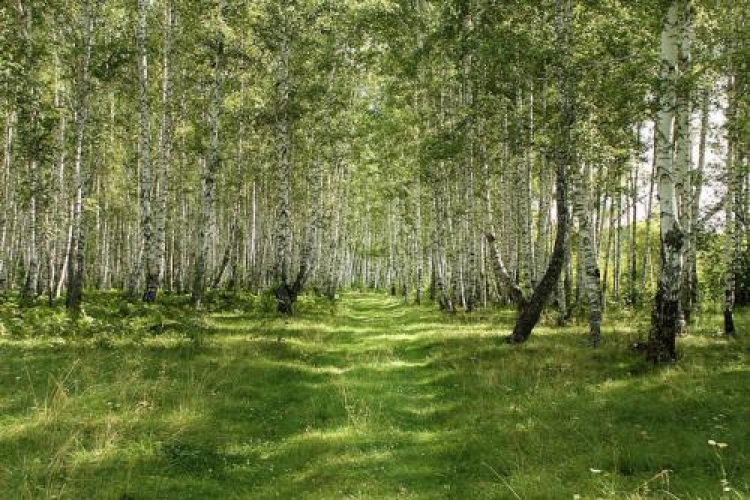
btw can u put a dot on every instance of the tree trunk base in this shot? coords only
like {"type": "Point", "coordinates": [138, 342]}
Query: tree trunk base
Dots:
{"type": "Point", "coordinates": [529, 313]}
{"type": "Point", "coordinates": [285, 299]}
{"type": "Point", "coordinates": [661, 347]}
{"type": "Point", "coordinates": [729, 323]}
{"type": "Point", "coordinates": [330, 292]}
{"type": "Point", "coordinates": [73, 301]}
{"type": "Point", "coordinates": [595, 336]}
{"type": "Point", "coordinates": [149, 296]}
{"type": "Point", "coordinates": [446, 304]}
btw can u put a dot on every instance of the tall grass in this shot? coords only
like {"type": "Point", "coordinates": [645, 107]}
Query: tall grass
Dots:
{"type": "Point", "coordinates": [365, 399]}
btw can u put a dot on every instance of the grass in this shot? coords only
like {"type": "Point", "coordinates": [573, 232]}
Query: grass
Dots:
{"type": "Point", "coordinates": [368, 399]}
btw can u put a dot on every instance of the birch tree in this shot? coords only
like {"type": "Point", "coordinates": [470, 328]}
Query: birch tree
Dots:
{"type": "Point", "coordinates": [590, 266]}
{"type": "Point", "coordinates": [665, 319]}
{"type": "Point", "coordinates": [206, 233]}
{"type": "Point", "coordinates": [530, 306]}
{"type": "Point", "coordinates": [165, 149]}
{"type": "Point", "coordinates": [150, 251]}
{"type": "Point", "coordinates": [76, 261]}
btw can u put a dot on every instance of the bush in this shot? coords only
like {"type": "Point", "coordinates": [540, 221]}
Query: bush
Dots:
{"type": "Point", "coordinates": [711, 268]}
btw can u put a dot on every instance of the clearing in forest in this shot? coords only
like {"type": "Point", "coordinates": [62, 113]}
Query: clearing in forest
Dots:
{"type": "Point", "coordinates": [371, 399]}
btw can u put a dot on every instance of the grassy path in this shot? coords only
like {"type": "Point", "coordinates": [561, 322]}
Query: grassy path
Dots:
{"type": "Point", "coordinates": [370, 400]}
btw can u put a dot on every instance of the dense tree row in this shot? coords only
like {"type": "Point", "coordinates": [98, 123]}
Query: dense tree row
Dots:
{"type": "Point", "coordinates": [473, 151]}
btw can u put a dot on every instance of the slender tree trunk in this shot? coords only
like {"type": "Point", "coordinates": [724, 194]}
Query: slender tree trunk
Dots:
{"type": "Point", "coordinates": [590, 265]}
{"type": "Point", "coordinates": [58, 223]}
{"type": "Point", "coordinates": [284, 296]}
{"type": "Point", "coordinates": [445, 299]}
{"type": "Point", "coordinates": [560, 292]}
{"type": "Point", "coordinates": [665, 326]}
{"type": "Point", "coordinates": [543, 222]}
{"type": "Point", "coordinates": [146, 177]}
{"type": "Point", "coordinates": [307, 254]}
{"type": "Point", "coordinates": [229, 250]}
{"type": "Point", "coordinates": [633, 249]}
{"type": "Point", "coordinates": [31, 130]}
{"type": "Point", "coordinates": [645, 273]}
{"type": "Point", "coordinates": [502, 275]}
{"type": "Point", "coordinates": [694, 191]}
{"type": "Point", "coordinates": [733, 235]}
{"type": "Point", "coordinates": [683, 164]}
{"type": "Point", "coordinates": [5, 191]}
{"type": "Point", "coordinates": [165, 157]}
{"type": "Point", "coordinates": [336, 243]}
{"type": "Point", "coordinates": [564, 159]}
{"type": "Point", "coordinates": [418, 242]}
{"type": "Point", "coordinates": [530, 313]}
{"type": "Point", "coordinates": [76, 261]}
{"type": "Point", "coordinates": [611, 231]}
{"type": "Point", "coordinates": [522, 194]}
{"type": "Point", "coordinates": [206, 232]}
{"type": "Point", "coordinates": [531, 251]}
{"type": "Point", "coordinates": [617, 257]}
{"type": "Point", "coordinates": [29, 289]}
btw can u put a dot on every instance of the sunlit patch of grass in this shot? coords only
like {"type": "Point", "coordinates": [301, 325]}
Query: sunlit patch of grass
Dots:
{"type": "Point", "coordinates": [367, 398]}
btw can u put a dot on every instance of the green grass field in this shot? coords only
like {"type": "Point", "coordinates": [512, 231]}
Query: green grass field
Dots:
{"type": "Point", "coordinates": [369, 399]}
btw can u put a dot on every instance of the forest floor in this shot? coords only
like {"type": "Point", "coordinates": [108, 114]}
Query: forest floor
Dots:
{"type": "Point", "coordinates": [365, 399]}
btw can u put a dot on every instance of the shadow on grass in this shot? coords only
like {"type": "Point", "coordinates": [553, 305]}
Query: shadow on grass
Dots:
{"type": "Point", "coordinates": [376, 401]}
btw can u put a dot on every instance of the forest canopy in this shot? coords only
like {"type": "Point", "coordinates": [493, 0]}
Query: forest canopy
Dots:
{"type": "Point", "coordinates": [530, 153]}
{"type": "Point", "coordinates": [402, 249]}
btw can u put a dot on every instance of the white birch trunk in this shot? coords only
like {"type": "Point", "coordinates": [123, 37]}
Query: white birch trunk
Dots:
{"type": "Point", "coordinates": [661, 344]}
{"type": "Point", "coordinates": [6, 200]}
{"type": "Point", "coordinates": [590, 266]}
{"type": "Point", "coordinates": [165, 152]}
{"type": "Point", "coordinates": [694, 191]}
{"type": "Point", "coordinates": [283, 237]}
{"type": "Point", "coordinates": [76, 261]}
{"type": "Point", "coordinates": [733, 235]}
{"type": "Point", "coordinates": [206, 232]}
{"type": "Point", "coordinates": [683, 161]}
{"type": "Point", "coordinates": [146, 177]}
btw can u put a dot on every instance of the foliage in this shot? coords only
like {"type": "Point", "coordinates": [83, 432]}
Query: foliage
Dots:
{"type": "Point", "coordinates": [743, 280]}
{"type": "Point", "coordinates": [712, 267]}
{"type": "Point", "coordinates": [109, 315]}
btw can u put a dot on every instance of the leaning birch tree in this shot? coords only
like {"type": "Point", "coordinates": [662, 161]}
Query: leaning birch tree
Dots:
{"type": "Point", "coordinates": [531, 305]}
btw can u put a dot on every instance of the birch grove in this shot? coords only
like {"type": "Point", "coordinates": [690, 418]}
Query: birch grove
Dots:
{"type": "Point", "coordinates": [563, 156]}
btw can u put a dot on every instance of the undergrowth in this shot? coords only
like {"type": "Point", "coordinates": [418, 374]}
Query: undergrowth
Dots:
{"type": "Point", "coordinates": [362, 398]}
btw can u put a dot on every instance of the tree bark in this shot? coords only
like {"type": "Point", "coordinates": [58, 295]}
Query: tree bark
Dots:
{"type": "Point", "coordinates": [646, 262]}
{"type": "Point", "coordinates": [590, 266]}
{"type": "Point", "coordinates": [694, 190]}
{"type": "Point", "coordinates": [165, 158]}
{"type": "Point", "coordinates": [146, 177]}
{"type": "Point", "coordinates": [683, 162]}
{"type": "Point", "coordinates": [76, 261]}
{"type": "Point", "coordinates": [665, 319]}
{"type": "Point", "coordinates": [564, 159]}
{"type": "Point", "coordinates": [515, 292]}
{"type": "Point", "coordinates": [6, 200]}
{"type": "Point", "coordinates": [209, 176]}
{"type": "Point", "coordinates": [733, 236]}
